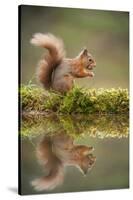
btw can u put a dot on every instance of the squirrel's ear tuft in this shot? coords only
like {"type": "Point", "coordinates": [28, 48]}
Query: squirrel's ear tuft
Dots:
{"type": "Point", "coordinates": [84, 52]}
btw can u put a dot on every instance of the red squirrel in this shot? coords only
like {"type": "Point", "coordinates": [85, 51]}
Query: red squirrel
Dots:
{"type": "Point", "coordinates": [57, 72]}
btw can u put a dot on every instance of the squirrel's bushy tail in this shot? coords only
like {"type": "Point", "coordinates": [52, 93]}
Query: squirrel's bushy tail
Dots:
{"type": "Point", "coordinates": [56, 54]}
{"type": "Point", "coordinates": [49, 182]}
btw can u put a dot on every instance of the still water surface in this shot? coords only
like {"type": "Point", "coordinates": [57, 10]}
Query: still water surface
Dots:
{"type": "Point", "coordinates": [68, 154]}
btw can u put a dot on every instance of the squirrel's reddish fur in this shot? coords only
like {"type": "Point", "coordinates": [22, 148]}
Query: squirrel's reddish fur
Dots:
{"type": "Point", "coordinates": [57, 72]}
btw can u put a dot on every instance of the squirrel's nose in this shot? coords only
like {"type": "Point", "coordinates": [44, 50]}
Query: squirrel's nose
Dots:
{"type": "Point", "coordinates": [94, 64]}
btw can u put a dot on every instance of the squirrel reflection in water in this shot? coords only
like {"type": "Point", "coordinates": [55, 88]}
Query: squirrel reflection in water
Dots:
{"type": "Point", "coordinates": [55, 153]}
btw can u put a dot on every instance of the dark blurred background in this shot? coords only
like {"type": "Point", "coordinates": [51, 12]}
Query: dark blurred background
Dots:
{"type": "Point", "coordinates": [104, 33]}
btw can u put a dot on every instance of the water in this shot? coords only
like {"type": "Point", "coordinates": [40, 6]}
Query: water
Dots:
{"type": "Point", "coordinates": [74, 153]}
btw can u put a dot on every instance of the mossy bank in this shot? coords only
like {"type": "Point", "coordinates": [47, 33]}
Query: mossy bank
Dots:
{"type": "Point", "coordinates": [78, 100]}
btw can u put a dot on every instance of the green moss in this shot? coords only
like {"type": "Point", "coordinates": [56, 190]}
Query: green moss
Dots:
{"type": "Point", "coordinates": [78, 100]}
{"type": "Point", "coordinates": [32, 98]}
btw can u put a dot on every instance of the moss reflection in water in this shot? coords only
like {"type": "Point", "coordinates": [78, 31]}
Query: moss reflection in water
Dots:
{"type": "Point", "coordinates": [101, 126]}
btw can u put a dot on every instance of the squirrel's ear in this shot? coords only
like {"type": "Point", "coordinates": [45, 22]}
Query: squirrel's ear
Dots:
{"type": "Point", "coordinates": [84, 52]}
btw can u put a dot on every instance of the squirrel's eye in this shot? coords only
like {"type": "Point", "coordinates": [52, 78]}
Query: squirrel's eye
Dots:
{"type": "Point", "coordinates": [90, 59]}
